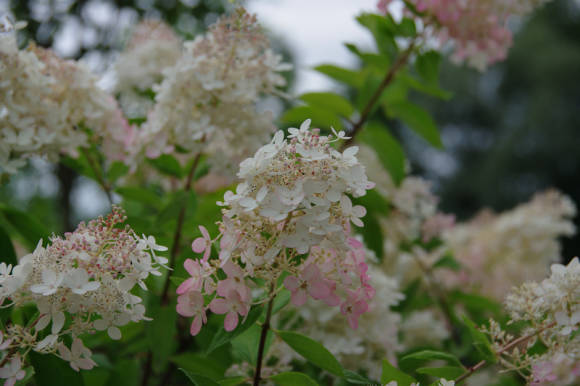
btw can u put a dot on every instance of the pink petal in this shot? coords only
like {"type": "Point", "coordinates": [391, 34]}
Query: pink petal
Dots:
{"type": "Point", "coordinates": [184, 309]}
{"type": "Point", "coordinates": [207, 253]}
{"type": "Point", "coordinates": [224, 287]}
{"type": "Point", "coordinates": [199, 245]}
{"type": "Point", "coordinates": [231, 321]}
{"type": "Point", "coordinates": [192, 267]}
{"type": "Point", "coordinates": [185, 286]}
{"type": "Point", "coordinates": [204, 232]}
{"type": "Point", "coordinates": [195, 326]}
{"type": "Point", "coordinates": [318, 290]}
{"type": "Point", "coordinates": [352, 321]}
{"type": "Point", "coordinates": [219, 306]}
{"type": "Point", "coordinates": [292, 283]}
{"type": "Point", "coordinates": [299, 297]}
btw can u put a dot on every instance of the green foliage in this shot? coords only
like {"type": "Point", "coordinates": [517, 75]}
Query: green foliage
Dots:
{"type": "Point", "coordinates": [319, 117]}
{"type": "Point", "coordinates": [199, 380]}
{"type": "Point", "coordinates": [330, 102]}
{"type": "Point", "coordinates": [52, 371]}
{"type": "Point", "coordinates": [222, 336]}
{"type": "Point", "coordinates": [161, 332]}
{"type": "Point", "coordinates": [447, 372]}
{"type": "Point", "coordinates": [480, 341]}
{"type": "Point", "coordinates": [168, 165]}
{"type": "Point", "coordinates": [343, 75]}
{"type": "Point", "coordinates": [27, 226]}
{"type": "Point", "coordinates": [387, 148]}
{"type": "Point", "coordinates": [292, 378]}
{"type": "Point", "coordinates": [7, 254]}
{"type": "Point", "coordinates": [431, 355]}
{"type": "Point", "coordinates": [391, 373]}
{"type": "Point", "coordinates": [418, 120]}
{"type": "Point", "coordinates": [195, 363]}
{"type": "Point", "coordinates": [312, 351]}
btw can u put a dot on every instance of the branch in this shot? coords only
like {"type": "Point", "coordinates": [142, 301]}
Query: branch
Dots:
{"type": "Point", "coordinates": [507, 347]}
{"type": "Point", "coordinates": [178, 229]}
{"type": "Point", "coordinates": [390, 75]}
{"type": "Point", "coordinates": [263, 335]}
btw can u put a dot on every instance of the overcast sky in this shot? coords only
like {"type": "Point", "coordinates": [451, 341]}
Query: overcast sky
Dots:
{"type": "Point", "coordinates": [315, 31]}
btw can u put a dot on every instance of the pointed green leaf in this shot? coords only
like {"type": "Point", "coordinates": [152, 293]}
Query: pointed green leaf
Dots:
{"type": "Point", "coordinates": [312, 351]}
{"type": "Point", "coordinates": [418, 120]}
{"type": "Point", "coordinates": [431, 355]}
{"type": "Point", "coordinates": [343, 75]}
{"type": "Point", "coordinates": [27, 226]}
{"type": "Point", "coordinates": [329, 101]}
{"type": "Point", "coordinates": [391, 373]}
{"type": "Point", "coordinates": [387, 148]}
{"type": "Point", "coordinates": [222, 336]}
{"type": "Point", "coordinates": [7, 254]}
{"type": "Point", "coordinates": [447, 372]}
{"type": "Point", "coordinates": [292, 378]}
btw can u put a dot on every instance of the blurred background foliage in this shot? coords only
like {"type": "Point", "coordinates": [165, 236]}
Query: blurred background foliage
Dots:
{"type": "Point", "coordinates": [507, 133]}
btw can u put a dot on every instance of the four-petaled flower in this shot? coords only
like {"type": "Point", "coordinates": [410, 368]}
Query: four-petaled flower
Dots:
{"type": "Point", "coordinates": [192, 304]}
{"type": "Point", "coordinates": [231, 305]}
{"type": "Point", "coordinates": [310, 282]}
{"type": "Point", "coordinates": [79, 356]}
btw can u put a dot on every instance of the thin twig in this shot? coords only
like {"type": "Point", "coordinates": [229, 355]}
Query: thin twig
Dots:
{"type": "Point", "coordinates": [178, 229]}
{"type": "Point", "coordinates": [172, 257]}
{"type": "Point", "coordinates": [507, 347]}
{"type": "Point", "coordinates": [263, 335]}
{"type": "Point", "coordinates": [389, 77]}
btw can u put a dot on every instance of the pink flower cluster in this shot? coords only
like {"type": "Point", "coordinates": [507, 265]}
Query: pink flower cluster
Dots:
{"type": "Point", "coordinates": [288, 221]}
{"type": "Point", "coordinates": [477, 29]}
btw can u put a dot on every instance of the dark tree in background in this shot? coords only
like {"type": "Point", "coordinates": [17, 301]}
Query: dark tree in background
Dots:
{"type": "Point", "coordinates": [513, 131]}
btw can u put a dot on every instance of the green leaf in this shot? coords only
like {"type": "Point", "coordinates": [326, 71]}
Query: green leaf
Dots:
{"type": "Point", "coordinates": [52, 371]}
{"type": "Point", "coordinates": [431, 355]}
{"type": "Point", "coordinates": [168, 165]}
{"type": "Point", "coordinates": [245, 345]}
{"type": "Point", "coordinates": [372, 234]}
{"type": "Point", "coordinates": [176, 202]}
{"type": "Point", "coordinates": [418, 120]}
{"type": "Point", "coordinates": [425, 88]}
{"type": "Point", "coordinates": [222, 336]}
{"type": "Point", "coordinates": [198, 364]}
{"type": "Point", "coordinates": [161, 332]}
{"type": "Point", "coordinates": [427, 66]}
{"type": "Point", "coordinates": [391, 373]}
{"type": "Point", "coordinates": [476, 303]}
{"type": "Point", "coordinates": [231, 381]}
{"type": "Point", "coordinates": [343, 75]}
{"type": "Point", "coordinates": [356, 379]}
{"type": "Point", "coordinates": [383, 29]}
{"type": "Point", "coordinates": [388, 149]}
{"type": "Point", "coordinates": [292, 378]}
{"type": "Point", "coordinates": [199, 380]}
{"type": "Point", "coordinates": [7, 254]}
{"type": "Point", "coordinates": [282, 299]}
{"type": "Point", "coordinates": [320, 118]}
{"type": "Point", "coordinates": [447, 372]}
{"type": "Point", "coordinates": [448, 261]}
{"type": "Point", "coordinates": [27, 226]}
{"type": "Point", "coordinates": [140, 195]}
{"type": "Point", "coordinates": [116, 170]}
{"type": "Point", "coordinates": [407, 27]}
{"type": "Point", "coordinates": [480, 341]}
{"type": "Point", "coordinates": [312, 351]}
{"type": "Point", "coordinates": [329, 101]}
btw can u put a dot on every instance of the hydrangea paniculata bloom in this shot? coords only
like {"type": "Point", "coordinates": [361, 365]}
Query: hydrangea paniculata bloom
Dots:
{"type": "Point", "coordinates": [499, 251]}
{"type": "Point", "coordinates": [152, 48]}
{"type": "Point", "coordinates": [551, 311]}
{"type": "Point", "coordinates": [478, 30]}
{"type": "Point", "coordinates": [45, 104]}
{"type": "Point", "coordinates": [210, 94]}
{"type": "Point", "coordinates": [291, 213]}
{"type": "Point", "coordinates": [80, 284]}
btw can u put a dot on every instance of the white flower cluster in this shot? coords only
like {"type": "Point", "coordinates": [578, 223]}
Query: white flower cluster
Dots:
{"type": "Point", "coordinates": [152, 48]}
{"type": "Point", "coordinates": [303, 184]}
{"type": "Point", "coordinates": [499, 251]}
{"type": "Point", "coordinates": [80, 284]}
{"type": "Point", "coordinates": [423, 328]}
{"type": "Point", "coordinates": [551, 308]}
{"type": "Point", "coordinates": [45, 104]}
{"type": "Point", "coordinates": [293, 200]}
{"type": "Point", "coordinates": [212, 88]}
{"type": "Point", "coordinates": [378, 336]}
